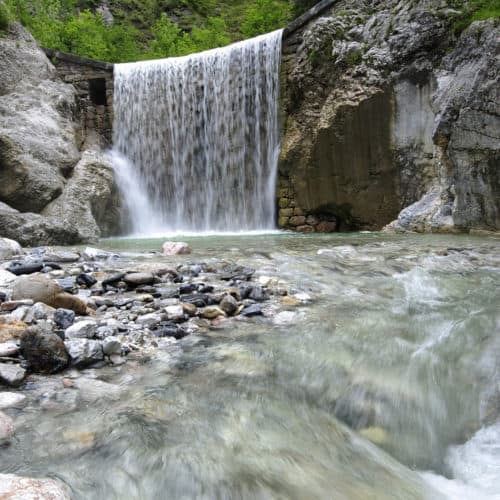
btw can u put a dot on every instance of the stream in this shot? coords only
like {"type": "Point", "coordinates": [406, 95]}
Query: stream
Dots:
{"type": "Point", "coordinates": [384, 385]}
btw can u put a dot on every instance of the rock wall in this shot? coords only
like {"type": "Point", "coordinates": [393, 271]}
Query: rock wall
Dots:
{"type": "Point", "coordinates": [49, 193]}
{"type": "Point", "coordinates": [390, 119]}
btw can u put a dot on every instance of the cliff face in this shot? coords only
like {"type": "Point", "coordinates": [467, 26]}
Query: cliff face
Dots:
{"type": "Point", "coordinates": [392, 120]}
{"type": "Point", "coordinates": [41, 162]}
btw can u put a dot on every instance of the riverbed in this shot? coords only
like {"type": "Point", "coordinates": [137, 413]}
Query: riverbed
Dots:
{"type": "Point", "coordinates": [384, 383]}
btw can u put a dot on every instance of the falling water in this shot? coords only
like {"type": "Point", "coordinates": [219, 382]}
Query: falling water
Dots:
{"type": "Point", "coordinates": [202, 134]}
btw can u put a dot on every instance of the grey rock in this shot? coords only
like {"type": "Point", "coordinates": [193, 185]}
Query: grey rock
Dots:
{"type": "Point", "coordinates": [229, 305]}
{"type": "Point", "coordinates": [175, 313]}
{"type": "Point", "coordinates": [61, 256]}
{"type": "Point", "coordinates": [81, 330]}
{"type": "Point", "coordinates": [152, 320]}
{"type": "Point", "coordinates": [6, 278]}
{"type": "Point", "coordinates": [44, 351]}
{"type": "Point", "coordinates": [9, 248]}
{"type": "Point", "coordinates": [12, 375]}
{"type": "Point", "coordinates": [9, 349]}
{"type": "Point", "coordinates": [64, 318]}
{"type": "Point", "coordinates": [176, 248]}
{"type": "Point", "coordinates": [93, 390]}
{"type": "Point", "coordinates": [24, 488]}
{"type": "Point", "coordinates": [111, 345]}
{"type": "Point", "coordinates": [39, 311]}
{"type": "Point", "coordinates": [136, 279]}
{"type": "Point", "coordinates": [11, 400]}
{"type": "Point", "coordinates": [84, 352]}
{"type": "Point", "coordinates": [253, 310]}
{"type": "Point", "coordinates": [91, 253]}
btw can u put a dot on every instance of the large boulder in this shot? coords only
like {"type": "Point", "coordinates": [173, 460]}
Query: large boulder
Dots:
{"type": "Point", "coordinates": [41, 288]}
{"type": "Point", "coordinates": [50, 192]}
{"type": "Point", "coordinates": [90, 201]}
{"type": "Point", "coordinates": [38, 146]}
{"type": "Point", "coordinates": [44, 351]}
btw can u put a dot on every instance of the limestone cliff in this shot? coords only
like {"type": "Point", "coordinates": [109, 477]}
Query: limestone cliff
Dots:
{"type": "Point", "coordinates": [41, 165]}
{"type": "Point", "coordinates": [391, 116]}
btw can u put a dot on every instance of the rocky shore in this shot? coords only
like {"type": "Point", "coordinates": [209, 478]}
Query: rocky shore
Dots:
{"type": "Point", "coordinates": [63, 311]}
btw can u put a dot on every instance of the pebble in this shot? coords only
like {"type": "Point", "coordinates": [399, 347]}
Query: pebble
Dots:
{"type": "Point", "coordinates": [229, 305]}
{"type": "Point", "coordinates": [84, 352]}
{"type": "Point", "coordinates": [6, 277]}
{"type": "Point", "coordinates": [61, 256]}
{"type": "Point", "coordinates": [11, 400]}
{"type": "Point", "coordinates": [19, 268]}
{"type": "Point", "coordinates": [111, 345]}
{"type": "Point", "coordinates": [176, 248]}
{"type": "Point", "coordinates": [25, 488]}
{"type": "Point", "coordinates": [212, 312]}
{"type": "Point", "coordinates": [64, 318]}
{"type": "Point", "coordinates": [149, 320]}
{"type": "Point", "coordinates": [12, 375]}
{"type": "Point", "coordinates": [175, 313]}
{"type": "Point", "coordinates": [8, 349]}
{"type": "Point", "coordinates": [253, 310]}
{"type": "Point", "coordinates": [91, 253]}
{"type": "Point", "coordinates": [81, 330]}
{"type": "Point", "coordinates": [136, 279]}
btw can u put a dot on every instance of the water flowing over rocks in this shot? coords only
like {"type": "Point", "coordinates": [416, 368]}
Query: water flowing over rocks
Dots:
{"type": "Point", "coordinates": [388, 113]}
{"type": "Point", "coordinates": [51, 192]}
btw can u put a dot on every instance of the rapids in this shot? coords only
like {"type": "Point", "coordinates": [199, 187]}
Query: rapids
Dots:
{"type": "Point", "coordinates": [386, 385]}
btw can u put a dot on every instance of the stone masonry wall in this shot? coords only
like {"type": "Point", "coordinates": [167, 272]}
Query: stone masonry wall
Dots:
{"type": "Point", "coordinates": [93, 81]}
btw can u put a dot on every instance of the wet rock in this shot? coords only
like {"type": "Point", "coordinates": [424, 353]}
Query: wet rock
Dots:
{"type": "Point", "coordinates": [6, 278]}
{"type": "Point", "coordinates": [85, 280]}
{"type": "Point", "coordinates": [9, 248]}
{"type": "Point", "coordinates": [64, 318]}
{"type": "Point", "coordinates": [93, 390]}
{"type": "Point", "coordinates": [44, 350]}
{"type": "Point", "coordinates": [11, 400]}
{"type": "Point", "coordinates": [175, 313]}
{"type": "Point", "coordinates": [3, 297]}
{"type": "Point", "coordinates": [189, 309]}
{"type": "Point", "coordinates": [40, 288]}
{"type": "Point", "coordinates": [68, 284]}
{"type": "Point", "coordinates": [8, 349]}
{"type": "Point", "coordinates": [151, 320]}
{"type": "Point", "coordinates": [137, 279]}
{"type": "Point", "coordinates": [198, 299]}
{"type": "Point", "coordinates": [111, 345]}
{"type": "Point", "coordinates": [236, 273]}
{"type": "Point", "coordinates": [84, 352]}
{"type": "Point", "coordinates": [188, 289]}
{"type": "Point", "coordinates": [81, 330]}
{"type": "Point", "coordinates": [39, 311]}
{"type": "Point", "coordinates": [61, 256]}
{"type": "Point", "coordinates": [176, 248]}
{"type": "Point", "coordinates": [11, 328]}
{"type": "Point", "coordinates": [11, 375]}
{"type": "Point", "coordinates": [253, 310]}
{"type": "Point", "coordinates": [96, 254]}
{"type": "Point", "coordinates": [7, 430]}
{"type": "Point", "coordinates": [212, 312]}
{"type": "Point", "coordinates": [112, 280]}
{"type": "Point", "coordinates": [229, 305]}
{"type": "Point", "coordinates": [25, 488]}
{"type": "Point", "coordinates": [20, 268]}
{"type": "Point", "coordinates": [258, 294]}
{"type": "Point", "coordinates": [171, 331]}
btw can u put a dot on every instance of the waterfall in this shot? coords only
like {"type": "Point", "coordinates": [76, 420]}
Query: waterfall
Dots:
{"type": "Point", "coordinates": [202, 135]}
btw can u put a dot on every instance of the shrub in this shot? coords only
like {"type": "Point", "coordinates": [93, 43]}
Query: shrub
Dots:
{"type": "Point", "coordinates": [4, 17]}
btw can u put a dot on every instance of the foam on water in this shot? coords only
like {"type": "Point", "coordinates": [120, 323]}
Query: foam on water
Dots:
{"type": "Point", "coordinates": [202, 135]}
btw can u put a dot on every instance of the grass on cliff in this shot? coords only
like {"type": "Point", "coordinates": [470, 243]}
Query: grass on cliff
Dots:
{"type": "Point", "coordinates": [4, 17]}
{"type": "Point", "coordinates": [145, 29]}
{"type": "Point", "coordinates": [476, 10]}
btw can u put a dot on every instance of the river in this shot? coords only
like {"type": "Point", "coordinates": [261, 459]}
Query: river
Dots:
{"type": "Point", "coordinates": [385, 384]}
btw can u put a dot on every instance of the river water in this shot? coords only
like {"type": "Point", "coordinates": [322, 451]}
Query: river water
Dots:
{"type": "Point", "coordinates": [386, 385]}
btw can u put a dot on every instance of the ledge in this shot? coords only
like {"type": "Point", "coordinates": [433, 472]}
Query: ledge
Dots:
{"type": "Point", "coordinates": [82, 61]}
{"type": "Point", "coordinates": [308, 16]}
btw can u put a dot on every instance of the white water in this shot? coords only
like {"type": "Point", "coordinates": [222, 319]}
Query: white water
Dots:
{"type": "Point", "coordinates": [202, 135]}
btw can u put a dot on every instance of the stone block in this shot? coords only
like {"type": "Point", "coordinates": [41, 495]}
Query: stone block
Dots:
{"type": "Point", "coordinates": [283, 202]}
{"type": "Point", "coordinates": [298, 220]}
{"type": "Point", "coordinates": [286, 212]}
{"type": "Point", "coordinates": [305, 229]}
{"type": "Point", "coordinates": [326, 227]}
{"type": "Point", "coordinates": [298, 211]}
{"type": "Point", "coordinates": [283, 221]}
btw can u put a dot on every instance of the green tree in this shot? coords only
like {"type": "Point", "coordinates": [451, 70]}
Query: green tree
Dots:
{"type": "Point", "coordinates": [214, 34]}
{"type": "Point", "coordinates": [263, 16]}
{"type": "Point", "coordinates": [169, 40]}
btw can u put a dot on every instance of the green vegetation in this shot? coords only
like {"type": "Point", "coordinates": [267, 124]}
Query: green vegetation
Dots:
{"type": "Point", "coordinates": [4, 17]}
{"type": "Point", "coordinates": [475, 10]}
{"type": "Point", "coordinates": [145, 29]}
